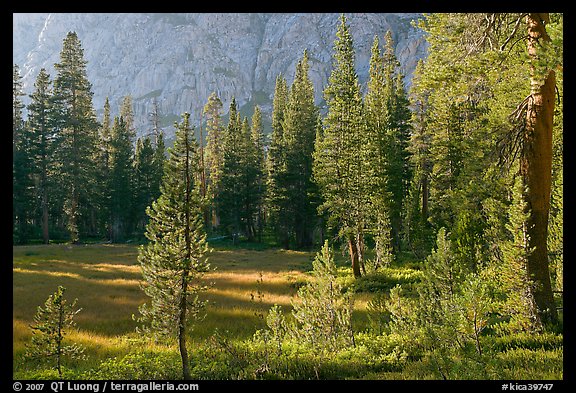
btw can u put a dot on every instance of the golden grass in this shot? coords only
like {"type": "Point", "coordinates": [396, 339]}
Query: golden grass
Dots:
{"type": "Point", "coordinates": [106, 281]}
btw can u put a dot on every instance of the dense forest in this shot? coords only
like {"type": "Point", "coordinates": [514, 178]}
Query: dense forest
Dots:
{"type": "Point", "coordinates": [458, 179]}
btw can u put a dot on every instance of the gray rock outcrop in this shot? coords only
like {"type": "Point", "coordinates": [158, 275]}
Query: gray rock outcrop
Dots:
{"type": "Point", "coordinates": [179, 59]}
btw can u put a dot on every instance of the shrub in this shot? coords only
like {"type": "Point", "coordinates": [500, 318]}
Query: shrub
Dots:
{"type": "Point", "coordinates": [141, 365]}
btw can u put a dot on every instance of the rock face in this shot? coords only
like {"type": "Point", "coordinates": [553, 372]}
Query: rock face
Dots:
{"type": "Point", "coordinates": [179, 59]}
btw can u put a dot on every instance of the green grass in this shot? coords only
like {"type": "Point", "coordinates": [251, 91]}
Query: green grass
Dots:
{"type": "Point", "coordinates": [105, 278]}
{"type": "Point", "coordinates": [248, 279]}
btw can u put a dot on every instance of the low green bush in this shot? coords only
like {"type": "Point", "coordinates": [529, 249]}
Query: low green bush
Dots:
{"type": "Point", "coordinates": [386, 278]}
{"type": "Point", "coordinates": [142, 365]}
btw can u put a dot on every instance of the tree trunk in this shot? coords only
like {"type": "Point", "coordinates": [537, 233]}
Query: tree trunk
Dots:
{"type": "Point", "coordinates": [182, 328]}
{"type": "Point", "coordinates": [45, 234]}
{"type": "Point", "coordinates": [353, 250]}
{"type": "Point", "coordinates": [425, 197]}
{"type": "Point", "coordinates": [360, 250]}
{"type": "Point", "coordinates": [536, 169]}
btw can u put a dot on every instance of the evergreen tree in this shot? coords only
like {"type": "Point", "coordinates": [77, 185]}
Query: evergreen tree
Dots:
{"type": "Point", "coordinates": [556, 232]}
{"type": "Point", "coordinates": [120, 180]}
{"type": "Point", "coordinates": [159, 161]}
{"type": "Point", "coordinates": [486, 118]}
{"type": "Point", "coordinates": [41, 123]}
{"type": "Point", "coordinates": [214, 154]}
{"type": "Point", "coordinates": [323, 313]}
{"type": "Point", "coordinates": [144, 185]}
{"type": "Point", "coordinates": [416, 226]}
{"type": "Point", "coordinates": [103, 171]}
{"type": "Point", "coordinates": [127, 113]}
{"type": "Point", "coordinates": [259, 160]}
{"type": "Point", "coordinates": [229, 198]}
{"type": "Point", "coordinates": [514, 278]}
{"type": "Point", "coordinates": [250, 162]}
{"type": "Point", "coordinates": [77, 133]}
{"type": "Point", "coordinates": [299, 133]}
{"type": "Point", "coordinates": [22, 166]}
{"type": "Point", "coordinates": [390, 113]}
{"type": "Point", "coordinates": [17, 106]}
{"type": "Point", "coordinates": [400, 130]}
{"type": "Point", "coordinates": [173, 262]}
{"type": "Point", "coordinates": [276, 198]}
{"type": "Point", "coordinates": [453, 308]}
{"type": "Point", "coordinates": [159, 151]}
{"type": "Point", "coordinates": [339, 169]}
{"type": "Point", "coordinates": [536, 157]}
{"type": "Point", "coordinates": [51, 324]}
{"type": "Point", "coordinates": [377, 149]}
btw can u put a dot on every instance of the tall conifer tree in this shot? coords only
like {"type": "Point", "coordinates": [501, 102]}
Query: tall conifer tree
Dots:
{"type": "Point", "coordinates": [144, 183]}
{"type": "Point", "coordinates": [338, 163]}
{"type": "Point", "coordinates": [41, 123]}
{"type": "Point", "coordinates": [259, 159]}
{"type": "Point", "coordinates": [173, 261]}
{"type": "Point", "coordinates": [377, 148]}
{"type": "Point", "coordinates": [276, 198]}
{"type": "Point", "coordinates": [22, 144]}
{"type": "Point", "coordinates": [214, 153]}
{"type": "Point", "coordinates": [299, 133]}
{"type": "Point", "coordinates": [102, 166]}
{"type": "Point", "coordinates": [232, 185]}
{"type": "Point", "coordinates": [77, 135]}
{"type": "Point", "coordinates": [120, 180]}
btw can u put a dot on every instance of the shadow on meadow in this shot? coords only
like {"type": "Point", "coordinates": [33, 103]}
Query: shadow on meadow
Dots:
{"type": "Point", "coordinates": [106, 278]}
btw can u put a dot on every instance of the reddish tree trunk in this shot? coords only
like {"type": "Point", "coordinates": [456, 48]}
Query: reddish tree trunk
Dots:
{"type": "Point", "coordinates": [536, 169]}
{"type": "Point", "coordinates": [353, 250]}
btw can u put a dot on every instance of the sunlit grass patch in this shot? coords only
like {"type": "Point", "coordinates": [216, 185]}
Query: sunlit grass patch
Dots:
{"type": "Point", "coordinates": [106, 280]}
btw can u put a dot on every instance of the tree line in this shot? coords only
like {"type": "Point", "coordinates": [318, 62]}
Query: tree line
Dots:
{"type": "Point", "coordinates": [75, 177]}
{"type": "Point", "coordinates": [474, 148]}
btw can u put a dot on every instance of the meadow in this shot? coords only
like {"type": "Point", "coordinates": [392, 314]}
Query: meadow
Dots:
{"type": "Point", "coordinates": [244, 285]}
{"type": "Point", "coordinates": [105, 278]}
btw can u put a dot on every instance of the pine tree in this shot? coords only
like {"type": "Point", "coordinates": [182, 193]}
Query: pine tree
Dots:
{"type": "Point", "coordinates": [77, 134]}
{"type": "Point", "coordinates": [536, 159]}
{"type": "Point", "coordinates": [259, 160]}
{"type": "Point", "coordinates": [488, 110]}
{"type": "Point", "coordinates": [515, 279]}
{"type": "Point", "coordinates": [250, 161]}
{"type": "Point", "coordinates": [276, 199]}
{"type": "Point", "coordinates": [145, 190]}
{"type": "Point", "coordinates": [22, 166]}
{"type": "Point", "coordinates": [51, 324]}
{"type": "Point", "coordinates": [41, 123]}
{"type": "Point", "coordinates": [232, 185]}
{"type": "Point", "coordinates": [214, 154]}
{"type": "Point", "coordinates": [103, 171]}
{"type": "Point", "coordinates": [388, 117]}
{"type": "Point", "coordinates": [127, 113]}
{"type": "Point", "coordinates": [338, 170]}
{"type": "Point", "coordinates": [159, 151]}
{"type": "Point", "coordinates": [323, 312]}
{"type": "Point", "coordinates": [17, 105]}
{"type": "Point", "coordinates": [159, 161]}
{"type": "Point", "coordinates": [120, 180]}
{"type": "Point", "coordinates": [416, 226]}
{"type": "Point", "coordinates": [299, 133]}
{"type": "Point", "coordinates": [556, 231]}
{"type": "Point", "coordinates": [173, 261]}
{"type": "Point", "coordinates": [376, 152]}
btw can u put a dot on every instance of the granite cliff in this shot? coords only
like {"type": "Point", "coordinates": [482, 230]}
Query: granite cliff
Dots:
{"type": "Point", "coordinates": [179, 59]}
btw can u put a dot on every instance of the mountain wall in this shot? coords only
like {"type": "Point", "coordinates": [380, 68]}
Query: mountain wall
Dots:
{"type": "Point", "coordinates": [179, 59]}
